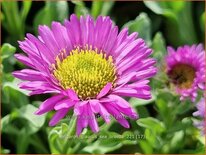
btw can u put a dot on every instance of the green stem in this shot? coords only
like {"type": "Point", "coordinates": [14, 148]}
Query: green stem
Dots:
{"type": "Point", "coordinates": [71, 133]}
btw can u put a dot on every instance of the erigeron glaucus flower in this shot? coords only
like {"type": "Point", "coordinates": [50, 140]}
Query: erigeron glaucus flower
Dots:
{"type": "Point", "coordinates": [88, 67]}
{"type": "Point", "coordinates": [201, 113]}
{"type": "Point", "coordinates": [186, 70]}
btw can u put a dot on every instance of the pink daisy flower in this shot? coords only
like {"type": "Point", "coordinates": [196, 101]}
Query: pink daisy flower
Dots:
{"type": "Point", "coordinates": [201, 113]}
{"type": "Point", "coordinates": [88, 67]}
{"type": "Point", "coordinates": [186, 70]}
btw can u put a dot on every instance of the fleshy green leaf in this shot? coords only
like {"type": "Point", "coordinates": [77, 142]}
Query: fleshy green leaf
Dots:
{"type": "Point", "coordinates": [7, 50]}
{"type": "Point", "coordinates": [142, 25]}
{"type": "Point", "coordinates": [158, 45]}
{"type": "Point", "coordinates": [13, 95]}
{"type": "Point", "coordinates": [177, 140]}
{"type": "Point", "coordinates": [152, 124]}
{"type": "Point", "coordinates": [27, 112]}
{"type": "Point", "coordinates": [53, 136]}
{"type": "Point", "coordinates": [30, 123]}
{"type": "Point", "coordinates": [61, 137]}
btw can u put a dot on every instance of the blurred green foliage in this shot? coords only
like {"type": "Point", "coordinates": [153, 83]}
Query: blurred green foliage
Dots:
{"type": "Point", "coordinates": [52, 11]}
{"type": "Point", "coordinates": [165, 124]}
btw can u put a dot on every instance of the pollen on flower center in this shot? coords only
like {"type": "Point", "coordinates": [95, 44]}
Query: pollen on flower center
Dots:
{"type": "Point", "coordinates": [182, 75]}
{"type": "Point", "coordinates": [86, 71]}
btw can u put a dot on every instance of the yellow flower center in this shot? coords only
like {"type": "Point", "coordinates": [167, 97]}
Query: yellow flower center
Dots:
{"type": "Point", "coordinates": [86, 71]}
{"type": "Point", "coordinates": [182, 75]}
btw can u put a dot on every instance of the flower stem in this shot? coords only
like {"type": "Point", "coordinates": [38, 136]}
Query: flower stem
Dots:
{"type": "Point", "coordinates": [70, 135]}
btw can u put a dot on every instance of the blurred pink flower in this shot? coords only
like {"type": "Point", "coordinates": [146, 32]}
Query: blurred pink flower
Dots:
{"type": "Point", "coordinates": [186, 70]}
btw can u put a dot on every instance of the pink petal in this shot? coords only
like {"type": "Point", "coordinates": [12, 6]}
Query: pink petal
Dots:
{"type": "Point", "coordinates": [78, 108]}
{"type": "Point", "coordinates": [104, 113]}
{"type": "Point", "coordinates": [29, 74]}
{"type": "Point", "coordinates": [24, 59]}
{"type": "Point", "coordinates": [105, 90]}
{"type": "Point", "coordinates": [71, 93]}
{"type": "Point", "coordinates": [92, 120]}
{"type": "Point", "coordinates": [117, 115]}
{"type": "Point", "coordinates": [94, 105]}
{"type": "Point", "coordinates": [49, 104]}
{"type": "Point", "coordinates": [79, 126]}
{"type": "Point", "coordinates": [67, 103]}
{"type": "Point", "coordinates": [57, 116]}
{"type": "Point", "coordinates": [124, 107]}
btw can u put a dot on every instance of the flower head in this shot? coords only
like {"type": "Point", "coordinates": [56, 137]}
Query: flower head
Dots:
{"type": "Point", "coordinates": [88, 67]}
{"type": "Point", "coordinates": [201, 113]}
{"type": "Point", "coordinates": [186, 70]}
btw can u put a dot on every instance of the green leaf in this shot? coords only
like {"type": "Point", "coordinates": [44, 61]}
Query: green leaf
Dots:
{"type": "Point", "coordinates": [22, 141]}
{"type": "Point", "coordinates": [6, 123]}
{"type": "Point", "coordinates": [80, 8]}
{"type": "Point", "coordinates": [28, 111]}
{"type": "Point", "coordinates": [166, 106]}
{"type": "Point", "coordinates": [25, 9]}
{"type": "Point", "coordinates": [202, 22]}
{"type": "Point", "coordinates": [162, 7]}
{"type": "Point", "coordinates": [106, 8]}
{"type": "Point", "coordinates": [183, 107]}
{"type": "Point", "coordinates": [55, 142]}
{"type": "Point", "coordinates": [14, 85]}
{"type": "Point", "coordinates": [4, 151]}
{"type": "Point", "coordinates": [177, 14]}
{"type": "Point", "coordinates": [152, 124]}
{"type": "Point", "coordinates": [67, 132]}
{"type": "Point", "coordinates": [13, 96]}
{"type": "Point", "coordinates": [28, 121]}
{"type": "Point", "coordinates": [7, 50]}
{"type": "Point", "coordinates": [105, 143]}
{"type": "Point", "coordinates": [130, 138]}
{"type": "Point", "coordinates": [96, 8]}
{"type": "Point", "coordinates": [146, 147]}
{"type": "Point", "coordinates": [52, 11]}
{"type": "Point", "coordinates": [101, 8]}
{"type": "Point", "coordinates": [177, 140]}
{"type": "Point", "coordinates": [142, 25]}
{"type": "Point", "coordinates": [159, 47]}
{"type": "Point", "coordinates": [13, 25]}
{"type": "Point", "coordinates": [142, 111]}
